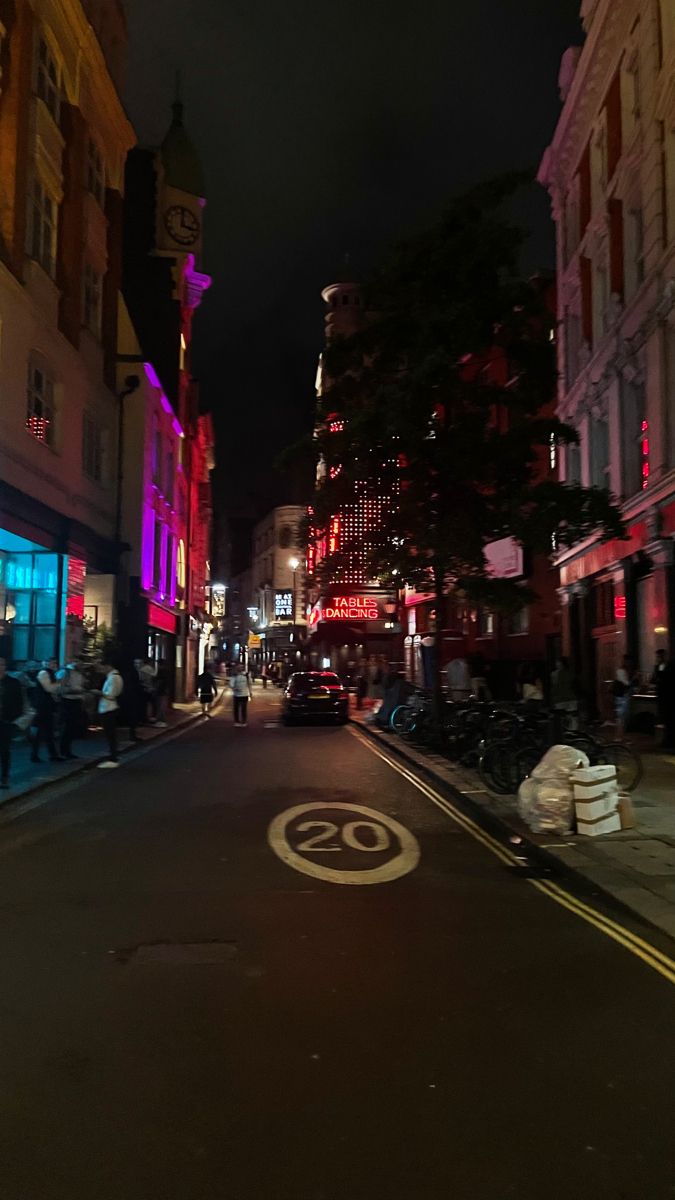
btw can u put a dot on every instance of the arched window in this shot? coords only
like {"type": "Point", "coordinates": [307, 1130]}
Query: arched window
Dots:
{"type": "Point", "coordinates": [180, 567]}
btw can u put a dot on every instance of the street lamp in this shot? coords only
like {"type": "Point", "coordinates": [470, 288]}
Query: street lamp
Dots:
{"type": "Point", "coordinates": [294, 563]}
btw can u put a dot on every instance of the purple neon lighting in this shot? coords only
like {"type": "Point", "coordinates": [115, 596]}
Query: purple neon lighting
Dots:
{"type": "Point", "coordinates": [153, 379]}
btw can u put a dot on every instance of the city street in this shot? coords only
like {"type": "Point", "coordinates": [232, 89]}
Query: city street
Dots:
{"type": "Point", "coordinates": [187, 1013]}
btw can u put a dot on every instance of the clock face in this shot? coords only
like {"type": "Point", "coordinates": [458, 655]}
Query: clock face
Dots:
{"type": "Point", "coordinates": [181, 224]}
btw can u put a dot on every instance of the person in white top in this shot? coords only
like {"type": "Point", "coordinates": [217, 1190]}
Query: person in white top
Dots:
{"type": "Point", "coordinates": [108, 710]}
{"type": "Point", "coordinates": [241, 693]}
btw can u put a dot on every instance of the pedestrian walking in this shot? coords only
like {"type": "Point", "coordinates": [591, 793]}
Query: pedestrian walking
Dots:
{"type": "Point", "coordinates": [72, 694]}
{"type": "Point", "coordinates": [108, 709]}
{"type": "Point", "coordinates": [46, 693]}
{"type": "Point", "coordinates": [146, 674]}
{"type": "Point", "coordinates": [241, 694]}
{"type": "Point", "coordinates": [207, 691]}
{"type": "Point", "coordinates": [11, 708]}
{"type": "Point", "coordinates": [133, 702]}
{"type": "Point", "coordinates": [626, 681]}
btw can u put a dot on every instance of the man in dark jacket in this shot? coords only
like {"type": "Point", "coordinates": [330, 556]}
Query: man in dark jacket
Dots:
{"type": "Point", "coordinates": [11, 707]}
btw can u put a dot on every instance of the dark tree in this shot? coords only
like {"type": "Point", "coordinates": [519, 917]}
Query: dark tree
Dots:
{"type": "Point", "coordinates": [444, 402]}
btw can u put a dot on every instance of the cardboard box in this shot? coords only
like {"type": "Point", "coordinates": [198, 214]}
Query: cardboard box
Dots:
{"type": "Point", "coordinates": [610, 824]}
{"type": "Point", "coordinates": [600, 806]}
{"type": "Point", "coordinates": [590, 782]}
{"type": "Point", "coordinates": [626, 812]}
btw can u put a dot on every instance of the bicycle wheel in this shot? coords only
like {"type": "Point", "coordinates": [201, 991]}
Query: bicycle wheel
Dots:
{"type": "Point", "coordinates": [494, 768]}
{"type": "Point", "coordinates": [628, 764]}
{"type": "Point", "coordinates": [399, 718]}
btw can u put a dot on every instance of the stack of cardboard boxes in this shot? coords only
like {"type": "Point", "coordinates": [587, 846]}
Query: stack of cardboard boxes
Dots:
{"type": "Point", "coordinates": [599, 806]}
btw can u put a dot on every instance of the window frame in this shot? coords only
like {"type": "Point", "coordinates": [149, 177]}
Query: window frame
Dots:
{"type": "Point", "coordinates": [43, 222]}
{"type": "Point", "coordinates": [92, 299]}
{"type": "Point", "coordinates": [43, 399]}
{"type": "Point", "coordinates": [93, 448]}
{"type": "Point", "coordinates": [48, 87]}
{"type": "Point", "coordinates": [95, 173]}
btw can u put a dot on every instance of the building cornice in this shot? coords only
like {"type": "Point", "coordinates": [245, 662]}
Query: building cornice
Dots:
{"type": "Point", "coordinates": [609, 30]}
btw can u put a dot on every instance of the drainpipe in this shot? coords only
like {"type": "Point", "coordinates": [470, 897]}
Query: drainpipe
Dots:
{"type": "Point", "coordinates": [131, 384]}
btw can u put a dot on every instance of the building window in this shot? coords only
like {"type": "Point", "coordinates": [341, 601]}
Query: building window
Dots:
{"type": "Point", "coordinates": [573, 339]}
{"type": "Point", "coordinates": [602, 296]}
{"type": "Point", "coordinates": [42, 228]}
{"type": "Point", "coordinates": [95, 173]}
{"type": "Point", "coordinates": [92, 448]}
{"type": "Point", "coordinates": [157, 557]}
{"type": "Point", "coordinates": [180, 568]}
{"type": "Point", "coordinates": [48, 83]}
{"type": "Point", "coordinates": [156, 450]}
{"type": "Point", "coordinates": [486, 623]}
{"type": "Point", "coordinates": [170, 470]}
{"type": "Point", "coordinates": [91, 303]}
{"type": "Point", "coordinates": [600, 454]}
{"type": "Point", "coordinates": [573, 464]}
{"type": "Point", "coordinates": [518, 622]}
{"type": "Point", "coordinates": [637, 249]}
{"type": "Point", "coordinates": [40, 405]}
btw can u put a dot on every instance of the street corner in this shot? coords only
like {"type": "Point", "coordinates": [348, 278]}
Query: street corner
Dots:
{"type": "Point", "coordinates": [343, 843]}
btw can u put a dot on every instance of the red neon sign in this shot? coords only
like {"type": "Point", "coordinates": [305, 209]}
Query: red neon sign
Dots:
{"type": "Point", "coordinates": [159, 618]}
{"type": "Point", "coordinates": [619, 608]}
{"type": "Point", "coordinates": [347, 608]}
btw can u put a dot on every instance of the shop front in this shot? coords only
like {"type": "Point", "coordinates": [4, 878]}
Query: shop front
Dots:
{"type": "Point", "coordinates": [33, 590]}
{"type": "Point", "coordinates": [618, 599]}
{"type": "Point", "coordinates": [345, 628]}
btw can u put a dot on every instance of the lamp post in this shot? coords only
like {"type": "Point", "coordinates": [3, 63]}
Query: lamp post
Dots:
{"type": "Point", "coordinates": [294, 563]}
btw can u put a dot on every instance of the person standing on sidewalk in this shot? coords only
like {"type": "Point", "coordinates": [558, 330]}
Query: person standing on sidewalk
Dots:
{"type": "Point", "coordinates": [73, 693]}
{"type": "Point", "coordinates": [11, 708]}
{"type": "Point", "coordinates": [241, 694]}
{"type": "Point", "coordinates": [108, 709]}
{"type": "Point", "coordinates": [46, 694]}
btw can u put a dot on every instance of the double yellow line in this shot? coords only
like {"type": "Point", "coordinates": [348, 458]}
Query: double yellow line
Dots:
{"type": "Point", "coordinates": [643, 950]}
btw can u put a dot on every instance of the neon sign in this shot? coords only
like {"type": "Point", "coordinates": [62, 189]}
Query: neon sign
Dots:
{"type": "Point", "coordinates": [347, 608]}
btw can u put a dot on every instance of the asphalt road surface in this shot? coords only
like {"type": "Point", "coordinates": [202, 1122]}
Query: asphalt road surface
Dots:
{"type": "Point", "coordinates": [207, 995]}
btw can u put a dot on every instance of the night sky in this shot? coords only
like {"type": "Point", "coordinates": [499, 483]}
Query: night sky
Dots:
{"type": "Point", "coordinates": [328, 128]}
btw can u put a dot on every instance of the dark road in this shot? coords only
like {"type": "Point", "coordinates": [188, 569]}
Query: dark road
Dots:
{"type": "Point", "coordinates": [206, 996]}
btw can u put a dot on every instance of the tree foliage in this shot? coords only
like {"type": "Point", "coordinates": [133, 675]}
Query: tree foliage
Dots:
{"type": "Point", "coordinates": [442, 403]}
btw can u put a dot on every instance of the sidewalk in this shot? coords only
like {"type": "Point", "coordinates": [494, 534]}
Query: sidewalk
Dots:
{"type": "Point", "coordinates": [635, 867]}
{"type": "Point", "coordinates": [27, 777]}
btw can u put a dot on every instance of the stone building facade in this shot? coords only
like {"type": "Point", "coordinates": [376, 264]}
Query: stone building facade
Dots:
{"type": "Point", "coordinates": [610, 171]}
{"type": "Point", "coordinates": [64, 138]}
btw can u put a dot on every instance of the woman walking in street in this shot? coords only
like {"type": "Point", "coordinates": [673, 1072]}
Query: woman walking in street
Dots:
{"type": "Point", "coordinates": [206, 691]}
{"type": "Point", "coordinates": [241, 694]}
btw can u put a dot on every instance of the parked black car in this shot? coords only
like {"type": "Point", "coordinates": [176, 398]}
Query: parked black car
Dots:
{"type": "Point", "coordinates": [310, 695]}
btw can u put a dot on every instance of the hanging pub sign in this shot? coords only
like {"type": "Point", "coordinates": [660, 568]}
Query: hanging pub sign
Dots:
{"type": "Point", "coordinates": [283, 605]}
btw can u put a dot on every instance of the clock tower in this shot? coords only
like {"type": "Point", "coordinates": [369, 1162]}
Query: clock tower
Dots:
{"type": "Point", "coordinates": [180, 192]}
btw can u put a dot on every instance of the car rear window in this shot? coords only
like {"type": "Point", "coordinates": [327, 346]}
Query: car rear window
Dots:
{"type": "Point", "coordinates": [307, 680]}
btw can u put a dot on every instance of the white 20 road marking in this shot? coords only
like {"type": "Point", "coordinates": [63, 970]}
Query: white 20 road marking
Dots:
{"type": "Point", "coordinates": [327, 838]}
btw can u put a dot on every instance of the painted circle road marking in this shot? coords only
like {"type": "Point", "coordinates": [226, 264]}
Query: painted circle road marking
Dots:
{"type": "Point", "coordinates": [370, 833]}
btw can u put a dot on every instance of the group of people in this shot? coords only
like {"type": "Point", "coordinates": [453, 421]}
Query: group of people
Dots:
{"type": "Point", "coordinates": [627, 681]}
{"type": "Point", "coordinates": [54, 706]}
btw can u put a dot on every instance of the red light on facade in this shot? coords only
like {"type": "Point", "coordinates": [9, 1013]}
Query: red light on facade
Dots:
{"type": "Point", "coordinates": [619, 608]}
{"type": "Point", "coordinates": [645, 453]}
{"type": "Point", "coordinates": [159, 618]}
